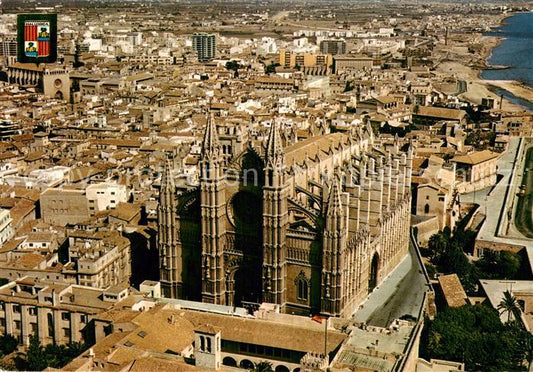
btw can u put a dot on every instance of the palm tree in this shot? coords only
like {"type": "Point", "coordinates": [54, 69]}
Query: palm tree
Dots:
{"type": "Point", "coordinates": [509, 305]}
{"type": "Point", "coordinates": [263, 367]}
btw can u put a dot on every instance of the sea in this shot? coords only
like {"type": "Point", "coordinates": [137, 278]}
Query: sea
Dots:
{"type": "Point", "coordinates": [516, 52]}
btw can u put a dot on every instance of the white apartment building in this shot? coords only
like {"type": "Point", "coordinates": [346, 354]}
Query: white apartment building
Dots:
{"type": "Point", "coordinates": [6, 227]}
{"type": "Point", "coordinates": [104, 196]}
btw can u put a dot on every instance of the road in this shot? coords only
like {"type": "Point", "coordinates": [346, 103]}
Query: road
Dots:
{"type": "Point", "coordinates": [400, 294]}
{"type": "Point", "coordinates": [523, 219]}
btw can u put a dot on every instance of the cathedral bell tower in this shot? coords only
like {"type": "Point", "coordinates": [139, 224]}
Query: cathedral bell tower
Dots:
{"type": "Point", "coordinates": [334, 242]}
{"type": "Point", "coordinates": [213, 229]}
{"type": "Point", "coordinates": [275, 220]}
{"type": "Point", "coordinates": [170, 260]}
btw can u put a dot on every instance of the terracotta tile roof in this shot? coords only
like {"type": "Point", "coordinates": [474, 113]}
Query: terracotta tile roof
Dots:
{"type": "Point", "coordinates": [253, 331]}
{"type": "Point", "coordinates": [30, 260]}
{"type": "Point", "coordinates": [476, 157]}
{"type": "Point", "coordinates": [440, 112]}
{"type": "Point", "coordinates": [313, 147]}
{"type": "Point", "coordinates": [452, 290]}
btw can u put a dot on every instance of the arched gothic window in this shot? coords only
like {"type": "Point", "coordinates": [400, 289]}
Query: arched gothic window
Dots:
{"type": "Point", "coordinates": [302, 286]}
{"type": "Point", "coordinates": [302, 289]}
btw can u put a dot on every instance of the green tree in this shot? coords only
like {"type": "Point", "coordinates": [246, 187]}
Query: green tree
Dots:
{"type": "Point", "coordinates": [527, 344]}
{"type": "Point", "coordinates": [437, 244]}
{"type": "Point", "coordinates": [263, 367]}
{"type": "Point", "coordinates": [232, 65]}
{"type": "Point", "coordinates": [499, 265]}
{"type": "Point", "coordinates": [475, 336]}
{"type": "Point", "coordinates": [271, 68]}
{"type": "Point", "coordinates": [56, 355]}
{"type": "Point", "coordinates": [8, 344]}
{"type": "Point", "coordinates": [36, 357]}
{"type": "Point", "coordinates": [509, 305]}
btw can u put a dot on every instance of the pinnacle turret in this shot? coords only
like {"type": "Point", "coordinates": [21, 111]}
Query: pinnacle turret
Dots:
{"type": "Point", "coordinates": [210, 144]}
{"type": "Point", "coordinates": [167, 181]}
{"type": "Point", "coordinates": [274, 154]}
{"type": "Point", "coordinates": [335, 200]}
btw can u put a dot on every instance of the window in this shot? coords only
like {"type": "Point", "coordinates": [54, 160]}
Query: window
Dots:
{"type": "Point", "coordinates": [142, 334]}
{"type": "Point", "coordinates": [32, 310]}
{"type": "Point", "coordinates": [426, 208]}
{"type": "Point", "coordinates": [202, 343]}
{"type": "Point", "coordinates": [33, 327]}
{"type": "Point", "coordinates": [302, 289]}
{"type": "Point", "coordinates": [208, 344]}
{"type": "Point", "coordinates": [65, 316]}
{"type": "Point", "coordinates": [66, 332]}
{"type": "Point", "coordinates": [16, 308]}
{"type": "Point", "coordinates": [17, 324]}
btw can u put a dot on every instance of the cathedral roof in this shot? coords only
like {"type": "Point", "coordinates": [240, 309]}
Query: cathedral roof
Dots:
{"type": "Point", "coordinates": [314, 147]}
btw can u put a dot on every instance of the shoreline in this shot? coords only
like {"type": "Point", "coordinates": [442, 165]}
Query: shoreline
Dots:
{"type": "Point", "coordinates": [516, 88]}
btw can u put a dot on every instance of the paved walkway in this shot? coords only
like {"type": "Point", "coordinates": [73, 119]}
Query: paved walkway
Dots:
{"type": "Point", "coordinates": [492, 200]}
{"type": "Point", "coordinates": [400, 294]}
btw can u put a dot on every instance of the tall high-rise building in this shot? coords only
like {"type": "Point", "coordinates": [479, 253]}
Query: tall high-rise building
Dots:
{"type": "Point", "coordinates": [205, 45]}
{"type": "Point", "coordinates": [8, 46]}
{"type": "Point", "coordinates": [333, 47]}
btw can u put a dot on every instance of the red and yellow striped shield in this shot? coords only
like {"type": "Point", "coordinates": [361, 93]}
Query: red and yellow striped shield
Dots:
{"type": "Point", "coordinates": [37, 38]}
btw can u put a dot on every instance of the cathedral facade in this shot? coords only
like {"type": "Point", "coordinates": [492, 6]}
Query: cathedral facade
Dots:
{"type": "Point", "coordinates": [312, 225]}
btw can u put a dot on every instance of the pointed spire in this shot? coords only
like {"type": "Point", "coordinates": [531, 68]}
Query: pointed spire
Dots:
{"type": "Point", "coordinates": [274, 147]}
{"type": "Point", "coordinates": [166, 178]}
{"type": "Point", "coordinates": [334, 199]}
{"type": "Point", "coordinates": [210, 144]}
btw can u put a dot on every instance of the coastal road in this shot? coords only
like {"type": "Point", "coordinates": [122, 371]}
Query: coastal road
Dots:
{"type": "Point", "coordinates": [523, 220]}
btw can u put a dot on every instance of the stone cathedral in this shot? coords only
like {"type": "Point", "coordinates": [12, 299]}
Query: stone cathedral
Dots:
{"type": "Point", "coordinates": [311, 225]}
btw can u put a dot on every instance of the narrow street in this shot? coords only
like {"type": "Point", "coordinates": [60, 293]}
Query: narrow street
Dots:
{"type": "Point", "coordinates": [400, 294]}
